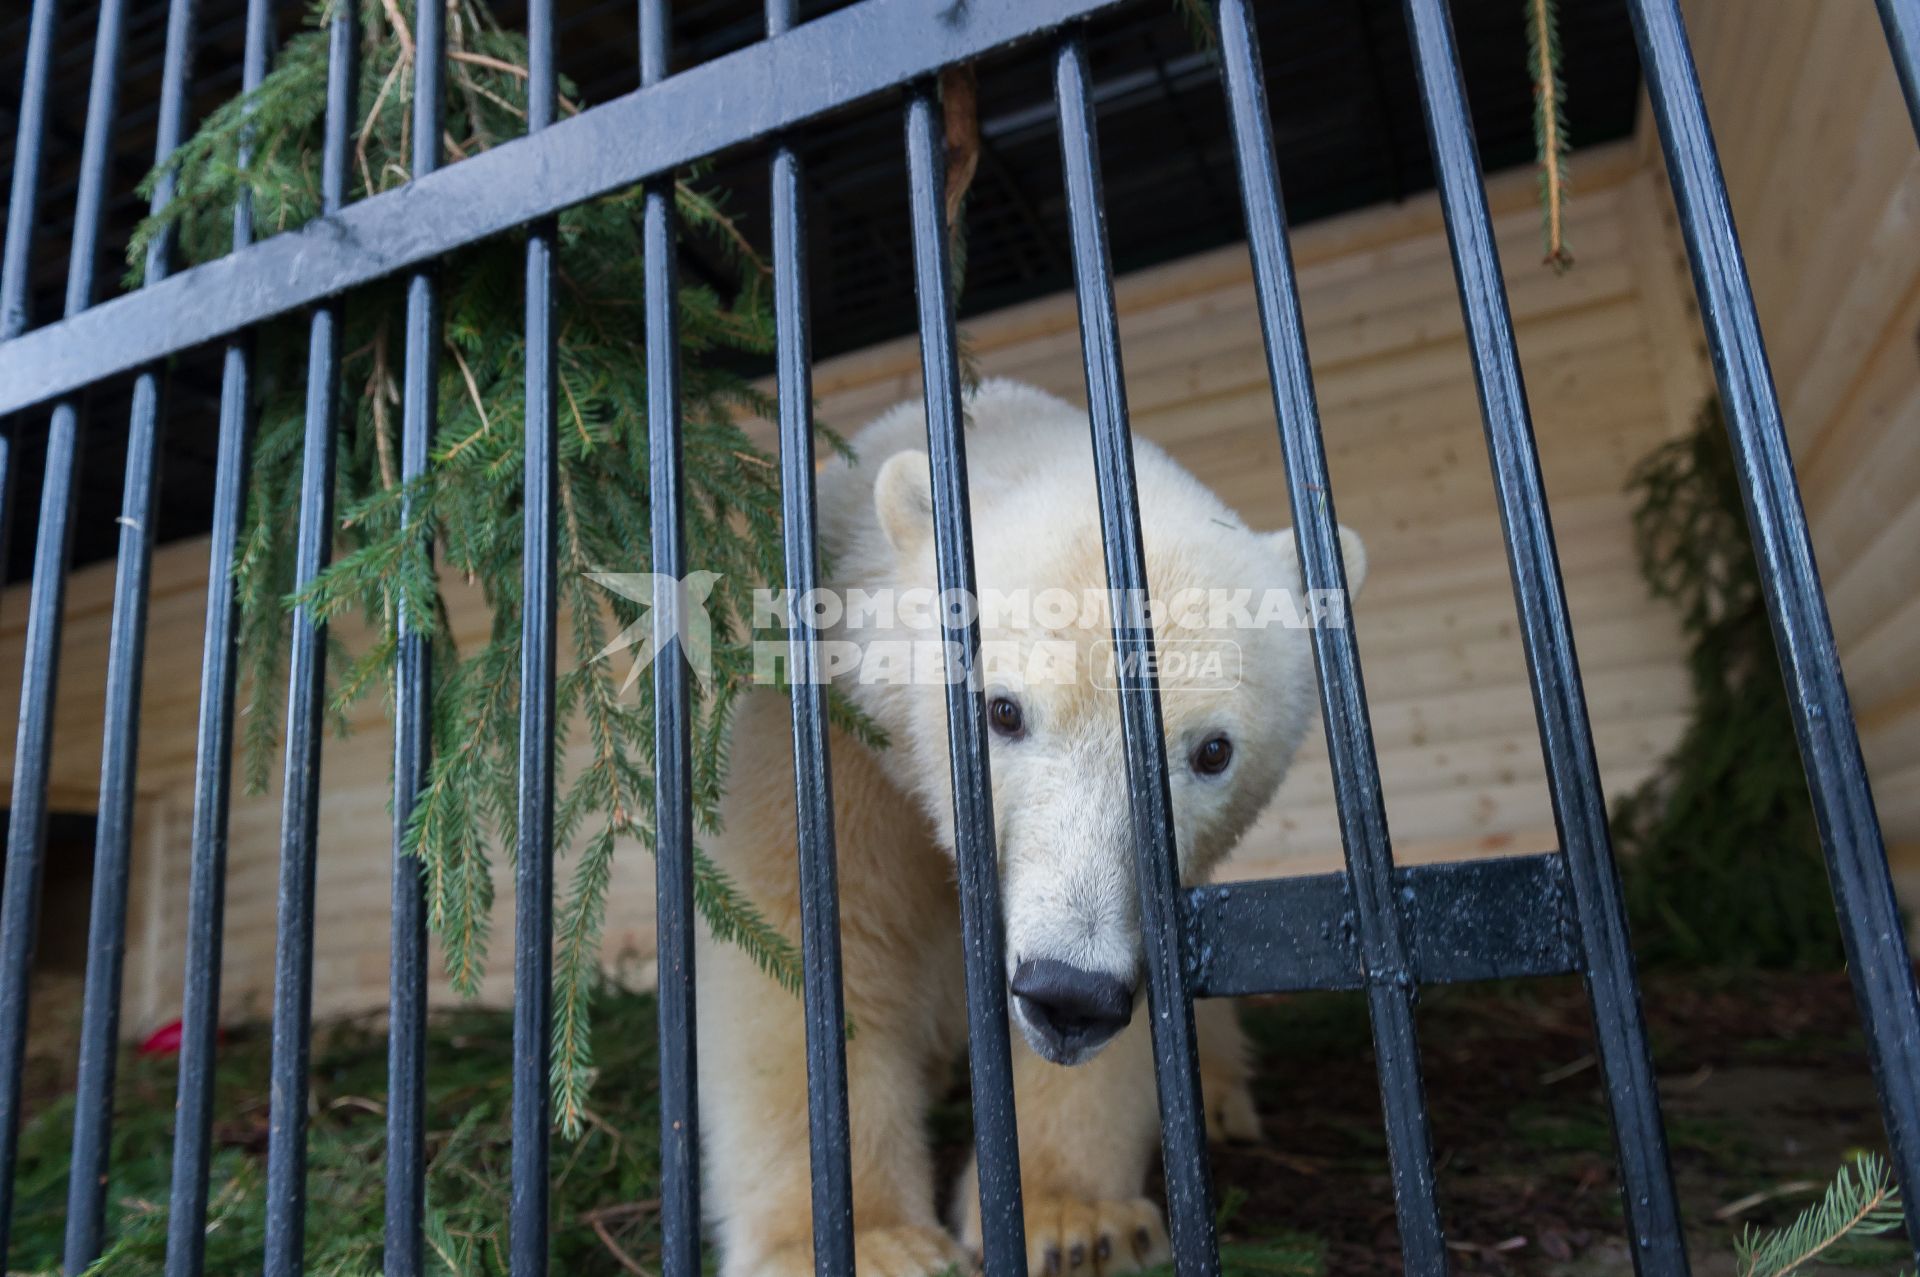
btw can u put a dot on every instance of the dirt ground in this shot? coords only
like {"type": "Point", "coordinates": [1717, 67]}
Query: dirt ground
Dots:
{"type": "Point", "coordinates": [1764, 1083]}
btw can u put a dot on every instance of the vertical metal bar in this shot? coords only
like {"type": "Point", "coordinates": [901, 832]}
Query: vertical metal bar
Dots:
{"type": "Point", "coordinates": [673, 768]}
{"type": "Point", "coordinates": [1343, 703]}
{"type": "Point", "coordinates": [26, 840]}
{"type": "Point", "coordinates": [120, 734]}
{"type": "Point", "coordinates": [1870, 923]}
{"type": "Point", "coordinates": [1902, 21]}
{"type": "Point", "coordinates": [827, 1114]}
{"type": "Point", "coordinates": [406, 1200]}
{"type": "Point", "coordinates": [103, 97]}
{"type": "Point", "coordinates": [23, 206]}
{"type": "Point", "coordinates": [1566, 735]}
{"type": "Point", "coordinates": [1176, 1053]}
{"type": "Point", "coordinates": [533, 878]}
{"type": "Point", "coordinates": [6, 494]}
{"type": "Point", "coordinates": [306, 706]}
{"type": "Point", "coordinates": [990, 1063]}
{"type": "Point", "coordinates": [26, 835]}
{"type": "Point", "coordinates": [213, 760]}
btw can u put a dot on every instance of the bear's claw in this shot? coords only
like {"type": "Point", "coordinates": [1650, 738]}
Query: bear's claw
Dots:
{"type": "Point", "coordinates": [1070, 1237]}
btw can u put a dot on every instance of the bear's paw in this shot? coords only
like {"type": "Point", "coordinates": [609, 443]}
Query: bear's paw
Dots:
{"type": "Point", "coordinates": [1231, 1115]}
{"type": "Point", "coordinates": [1073, 1237]}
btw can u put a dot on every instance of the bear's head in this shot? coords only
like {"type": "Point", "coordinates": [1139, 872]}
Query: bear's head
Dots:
{"type": "Point", "coordinates": [1234, 658]}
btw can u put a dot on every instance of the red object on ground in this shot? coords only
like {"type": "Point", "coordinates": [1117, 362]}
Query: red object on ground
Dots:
{"type": "Point", "coordinates": [165, 1040]}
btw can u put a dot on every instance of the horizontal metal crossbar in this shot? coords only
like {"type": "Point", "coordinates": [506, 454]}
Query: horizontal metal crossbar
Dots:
{"type": "Point", "coordinates": [812, 70]}
{"type": "Point", "coordinates": [1472, 920]}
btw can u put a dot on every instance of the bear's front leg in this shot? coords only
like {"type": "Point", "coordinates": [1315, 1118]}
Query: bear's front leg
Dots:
{"type": "Point", "coordinates": [1087, 1136]}
{"type": "Point", "coordinates": [753, 1113]}
{"type": "Point", "coordinates": [1226, 1072]}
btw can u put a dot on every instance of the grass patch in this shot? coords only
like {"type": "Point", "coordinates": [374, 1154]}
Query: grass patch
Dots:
{"type": "Point", "coordinates": [605, 1185]}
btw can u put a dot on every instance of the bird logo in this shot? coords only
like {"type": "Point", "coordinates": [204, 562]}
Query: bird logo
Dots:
{"type": "Point", "coordinates": [672, 610]}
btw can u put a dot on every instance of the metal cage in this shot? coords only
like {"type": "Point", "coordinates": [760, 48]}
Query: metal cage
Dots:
{"type": "Point", "coordinates": [1376, 927]}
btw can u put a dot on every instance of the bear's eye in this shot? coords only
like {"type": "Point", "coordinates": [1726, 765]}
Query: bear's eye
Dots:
{"type": "Point", "coordinates": [1005, 717]}
{"type": "Point", "coordinates": [1213, 756]}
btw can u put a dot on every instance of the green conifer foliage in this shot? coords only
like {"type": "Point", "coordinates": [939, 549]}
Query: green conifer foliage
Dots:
{"type": "Point", "coordinates": [469, 531]}
{"type": "Point", "coordinates": [1721, 857]}
{"type": "Point", "coordinates": [1861, 1204]}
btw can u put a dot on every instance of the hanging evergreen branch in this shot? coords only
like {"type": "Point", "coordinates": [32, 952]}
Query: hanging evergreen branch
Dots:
{"type": "Point", "coordinates": [468, 521]}
{"type": "Point", "coordinates": [1719, 849]}
{"type": "Point", "coordinates": [1863, 1201]}
{"type": "Point", "coordinates": [1549, 126]}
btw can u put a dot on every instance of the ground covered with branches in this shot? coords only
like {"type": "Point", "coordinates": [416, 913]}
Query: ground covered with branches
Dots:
{"type": "Point", "coordinates": [1764, 1079]}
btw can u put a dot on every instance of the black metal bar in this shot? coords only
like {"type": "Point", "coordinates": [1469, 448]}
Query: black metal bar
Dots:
{"type": "Point", "coordinates": [103, 96]}
{"type": "Point", "coordinates": [1870, 923]}
{"type": "Point", "coordinates": [1470, 920]}
{"type": "Point", "coordinates": [828, 1134]}
{"type": "Point", "coordinates": [406, 1199]}
{"type": "Point", "coordinates": [23, 204]}
{"type": "Point", "coordinates": [213, 760]}
{"type": "Point", "coordinates": [673, 765]}
{"type": "Point", "coordinates": [1183, 1124]}
{"type": "Point", "coordinates": [1378, 918]}
{"type": "Point", "coordinates": [120, 734]}
{"type": "Point", "coordinates": [816, 68]}
{"type": "Point", "coordinates": [989, 1059]}
{"type": "Point", "coordinates": [1566, 735]}
{"type": "Point", "coordinates": [113, 844]}
{"type": "Point", "coordinates": [1902, 21]}
{"type": "Point", "coordinates": [6, 494]}
{"type": "Point", "coordinates": [306, 706]}
{"type": "Point", "coordinates": [26, 840]}
{"type": "Point", "coordinates": [26, 833]}
{"type": "Point", "coordinates": [533, 873]}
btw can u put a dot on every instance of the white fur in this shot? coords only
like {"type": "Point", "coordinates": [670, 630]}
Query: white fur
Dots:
{"type": "Point", "coordinates": [1063, 831]}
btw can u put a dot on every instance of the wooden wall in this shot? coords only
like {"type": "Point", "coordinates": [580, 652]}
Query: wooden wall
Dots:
{"type": "Point", "coordinates": [1610, 371]}
{"type": "Point", "coordinates": [1824, 173]}
{"type": "Point", "coordinates": [1445, 675]}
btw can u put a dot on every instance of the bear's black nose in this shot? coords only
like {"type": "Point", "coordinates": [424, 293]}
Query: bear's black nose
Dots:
{"type": "Point", "coordinates": [1069, 1012]}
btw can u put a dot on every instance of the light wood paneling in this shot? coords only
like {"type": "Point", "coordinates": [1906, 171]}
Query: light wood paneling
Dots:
{"type": "Point", "coordinates": [1610, 373]}
{"type": "Point", "coordinates": [1824, 174]}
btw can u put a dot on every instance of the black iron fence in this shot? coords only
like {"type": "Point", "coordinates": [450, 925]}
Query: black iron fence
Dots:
{"type": "Point", "coordinates": [1375, 927]}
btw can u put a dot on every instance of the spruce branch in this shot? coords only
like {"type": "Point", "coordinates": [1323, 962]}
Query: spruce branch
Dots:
{"type": "Point", "coordinates": [466, 523]}
{"type": "Point", "coordinates": [1549, 127]}
{"type": "Point", "coordinates": [1720, 849]}
{"type": "Point", "coordinates": [1863, 1201]}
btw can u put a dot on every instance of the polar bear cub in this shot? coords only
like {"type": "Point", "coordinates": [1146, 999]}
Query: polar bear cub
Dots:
{"type": "Point", "coordinates": [1086, 1107]}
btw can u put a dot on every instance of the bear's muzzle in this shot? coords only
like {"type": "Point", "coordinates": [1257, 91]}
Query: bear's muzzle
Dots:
{"type": "Point", "coordinates": [1066, 1013]}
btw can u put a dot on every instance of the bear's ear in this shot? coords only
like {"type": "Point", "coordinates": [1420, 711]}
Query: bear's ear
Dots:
{"type": "Point", "coordinates": [1353, 552]}
{"type": "Point", "coordinates": [903, 498]}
